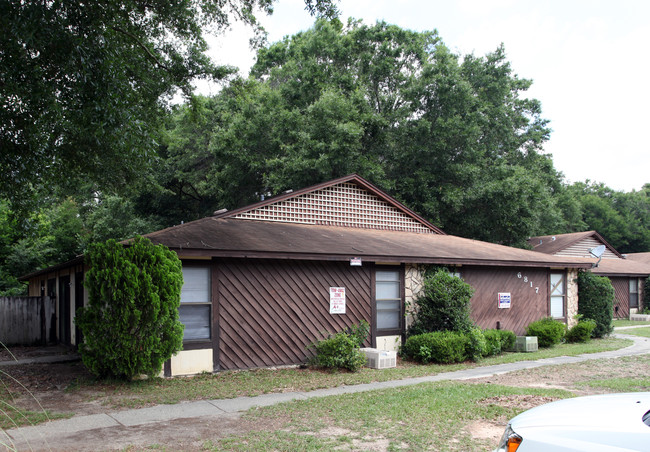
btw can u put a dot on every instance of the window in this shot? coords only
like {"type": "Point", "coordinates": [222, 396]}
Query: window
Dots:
{"type": "Point", "coordinates": [196, 305]}
{"type": "Point", "coordinates": [634, 293]}
{"type": "Point", "coordinates": [388, 298]}
{"type": "Point", "coordinates": [558, 294]}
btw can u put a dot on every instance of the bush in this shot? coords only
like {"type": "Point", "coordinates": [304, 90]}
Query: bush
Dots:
{"type": "Point", "coordinates": [130, 325]}
{"type": "Point", "coordinates": [508, 339]}
{"type": "Point", "coordinates": [441, 347]}
{"type": "Point", "coordinates": [581, 332]}
{"type": "Point", "coordinates": [443, 306]}
{"type": "Point", "coordinates": [360, 332]}
{"type": "Point", "coordinates": [548, 331]}
{"type": "Point", "coordinates": [340, 351]}
{"type": "Point", "coordinates": [596, 301]}
{"type": "Point", "coordinates": [476, 347]}
{"type": "Point", "coordinates": [498, 341]}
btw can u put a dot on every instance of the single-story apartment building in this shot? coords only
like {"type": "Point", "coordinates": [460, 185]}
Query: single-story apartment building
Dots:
{"type": "Point", "coordinates": [626, 274]}
{"type": "Point", "coordinates": [263, 281]}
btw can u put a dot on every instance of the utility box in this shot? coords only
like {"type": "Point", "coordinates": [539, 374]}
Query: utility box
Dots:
{"type": "Point", "coordinates": [526, 344]}
{"type": "Point", "coordinates": [380, 359]}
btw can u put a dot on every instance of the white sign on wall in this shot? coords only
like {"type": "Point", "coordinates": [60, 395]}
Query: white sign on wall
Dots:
{"type": "Point", "coordinates": [337, 300]}
{"type": "Point", "coordinates": [504, 300]}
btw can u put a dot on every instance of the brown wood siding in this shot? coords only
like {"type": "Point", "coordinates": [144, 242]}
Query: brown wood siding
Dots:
{"type": "Point", "coordinates": [528, 304]}
{"type": "Point", "coordinates": [621, 297]}
{"type": "Point", "coordinates": [269, 311]}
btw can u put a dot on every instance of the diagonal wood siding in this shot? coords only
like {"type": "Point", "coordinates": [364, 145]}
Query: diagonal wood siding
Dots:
{"type": "Point", "coordinates": [621, 297]}
{"type": "Point", "coordinates": [528, 304]}
{"type": "Point", "coordinates": [270, 310]}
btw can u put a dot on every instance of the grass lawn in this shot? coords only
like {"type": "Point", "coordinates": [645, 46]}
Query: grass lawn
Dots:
{"type": "Point", "coordinates": [625, 322]}
{"type": "Point", "coordinates": [430, 416]}
{"type": "Point", "coordinates": [645, 332]}
{"type": "Point", "coordinates": [230, 384]}
{"type": "Point", "coordinates": [136, 394]}
{"type": "Point", "coordinates": [443, 416]}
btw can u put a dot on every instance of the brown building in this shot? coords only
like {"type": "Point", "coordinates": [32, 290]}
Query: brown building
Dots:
{"type": "Point", "coordinates": [626, 274]}
{"type": "Point", "coordinates": [264, 281]}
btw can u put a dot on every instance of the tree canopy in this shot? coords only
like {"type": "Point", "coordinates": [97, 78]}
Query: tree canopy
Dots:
{"type": "Point", "coordinates": [84, 85]}
{"type": "Point", "coordinates": [454, 137]}
{"type": "Point", "coordinates": [451, 136]}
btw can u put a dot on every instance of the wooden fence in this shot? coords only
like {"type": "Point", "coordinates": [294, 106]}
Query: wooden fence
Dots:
{"type": "Point", "coordinates": [27, 320]}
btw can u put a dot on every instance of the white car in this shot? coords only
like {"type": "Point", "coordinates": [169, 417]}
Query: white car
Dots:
{"type": "Point", "coordinates": [602, 423]}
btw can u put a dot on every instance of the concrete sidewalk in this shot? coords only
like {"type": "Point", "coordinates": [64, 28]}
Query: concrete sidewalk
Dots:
{"type": "Point", "coordinates": [44, 435]}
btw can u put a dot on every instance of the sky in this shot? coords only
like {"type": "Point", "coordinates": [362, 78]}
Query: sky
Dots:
{"type": "Point", "coordinates": [589, 61]}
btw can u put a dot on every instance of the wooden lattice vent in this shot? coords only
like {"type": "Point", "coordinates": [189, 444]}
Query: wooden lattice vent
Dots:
{"type": "Point", "coordinates": [344, 204]}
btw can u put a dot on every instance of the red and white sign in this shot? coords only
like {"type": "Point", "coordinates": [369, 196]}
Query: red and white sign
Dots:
{"type": "Point", "coordinates": [337, 300]}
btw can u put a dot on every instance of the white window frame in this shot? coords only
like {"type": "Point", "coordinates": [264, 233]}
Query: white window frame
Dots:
{"type": "Point", "coordinates": [196, 296]}
{"type": "Point", "coordinates": [557, 295]}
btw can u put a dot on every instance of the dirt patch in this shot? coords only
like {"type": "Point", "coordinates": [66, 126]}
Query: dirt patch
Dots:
{"type": "Point", "coordinates": [521, 401]}
{"type": "Point", "coordinates": [485, 430]}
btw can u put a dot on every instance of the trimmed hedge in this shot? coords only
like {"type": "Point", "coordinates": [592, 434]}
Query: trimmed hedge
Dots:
{"type": "Point", "coordinates": [549, 332]}
{"type": "Point", "coordinates": [476, 347]}
{"type": "Point", "coordinates": [498, 341]}
{"type": "Point", "coordinates": [581, 332]}
{"type": "Point", "coordinates": [442, 347]}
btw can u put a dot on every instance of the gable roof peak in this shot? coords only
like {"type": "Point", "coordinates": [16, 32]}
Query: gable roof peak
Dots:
{"type": "Point", "coordinates": [348, 201]}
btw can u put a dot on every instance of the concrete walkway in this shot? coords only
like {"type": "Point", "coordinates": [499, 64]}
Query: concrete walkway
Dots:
{"type": "Point", "coordinates": [33, 438]}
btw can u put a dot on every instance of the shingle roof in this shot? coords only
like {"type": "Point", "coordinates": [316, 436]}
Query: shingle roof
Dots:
{"type": "Point", "coordinates": [551, 244]}
{"type": "Point", "coordinates": [621, 267]}
{"type": "Point", "coordinates": [229, 237]}
{"type": "Point", "coordinates": [639, 257]}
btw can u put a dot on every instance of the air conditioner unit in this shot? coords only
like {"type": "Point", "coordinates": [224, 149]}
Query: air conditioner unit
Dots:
{"type": "Point", "coordinates": [380, 359]}
{"type": "Point", "coordinates": [526, 344]}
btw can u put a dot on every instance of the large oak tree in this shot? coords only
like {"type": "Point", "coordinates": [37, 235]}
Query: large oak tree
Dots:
{"type": "Point", "coordinates": [83, 85]}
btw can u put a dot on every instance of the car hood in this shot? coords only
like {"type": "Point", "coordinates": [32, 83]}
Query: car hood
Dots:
{"type": "Point", "coordinates": [609, 411]}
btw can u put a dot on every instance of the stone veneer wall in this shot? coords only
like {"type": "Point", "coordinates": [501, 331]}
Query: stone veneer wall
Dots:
{"type": "Point", "coordinates": [572, 296]}
{"type": "Point", "coordinates": [413, 279]}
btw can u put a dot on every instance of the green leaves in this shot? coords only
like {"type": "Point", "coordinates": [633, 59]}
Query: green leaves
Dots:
{"type": "Point", "coordinates": [130, 325]}
{"type": "Point", "coordinates": [84, 86]}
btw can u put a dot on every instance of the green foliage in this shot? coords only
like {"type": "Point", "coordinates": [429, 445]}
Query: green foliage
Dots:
{"type": "Point", "coordinates": [360, 332]}
{"type": "Point", "coordinates": [444, 305]}
{"type": "Point", "coordinates": [581, 332]}
{"type": "Point", "coordinates": [85, 84]}
{"type": "Point", "coordinates": [441, 347]}
{"type": "Point", "coordinates": [508, 339]}
{"type": "Point", "coordinates": [339, 351]}
{"type": "Point", "coordinates": [549, 332]}
{"type": "Point", "coordinates": [477, 346]}
{"type": "Point", "coordinates": [130, 325]}
{"type": "Point", "coordinates": [646, 296]}
{"type": "Point", "coordinates": [596, 301]}
{"type": "Point", "coordinates": [444, 133]}
{"type": "Point", "coordinates": [498, 341]}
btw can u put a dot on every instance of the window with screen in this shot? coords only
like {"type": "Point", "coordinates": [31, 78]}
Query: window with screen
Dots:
{"type": "Point", "coordinates": [388, 301]}
{"type": "Point", "coordinates": [634, 293]}
{"type": "Point", "coordinates": [558, 294]}
{"type": "Point", "coordinates": [196, 303]}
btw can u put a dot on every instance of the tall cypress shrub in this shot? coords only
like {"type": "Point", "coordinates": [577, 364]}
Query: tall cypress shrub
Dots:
{"type": "Point", "coordinates": [596, 301]}
{"type": "Point", "coordinates": [131, 324]}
